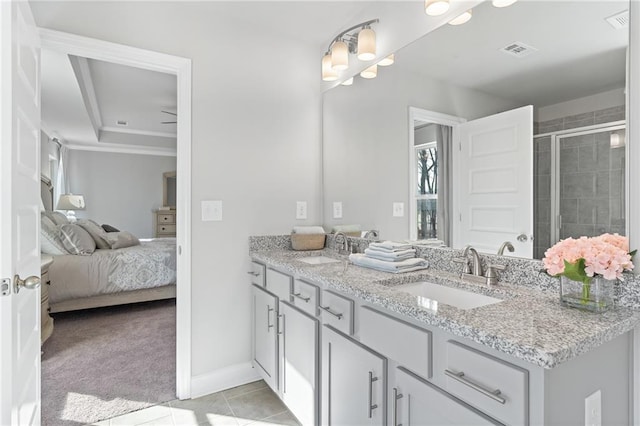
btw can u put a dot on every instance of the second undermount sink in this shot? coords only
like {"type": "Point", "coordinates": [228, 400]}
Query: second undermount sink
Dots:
{"type": "Point", "coordinates": [318, 260]}
{"type": "Point", "coordinates": [430, 294]}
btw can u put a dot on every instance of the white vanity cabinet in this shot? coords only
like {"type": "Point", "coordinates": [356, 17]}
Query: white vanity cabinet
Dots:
{"type": "Point", "coordinates": [353, 382]}
{"type": "Point", "coordinates": [265, 338]}
{"type": "Point", "coordinates": [414, 401]}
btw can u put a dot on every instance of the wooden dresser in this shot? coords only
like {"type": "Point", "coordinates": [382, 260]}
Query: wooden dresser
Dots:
{"type": "Point", "coordinates": [164, 223]}
{"type": "Point", "coordinates": [46, 322]}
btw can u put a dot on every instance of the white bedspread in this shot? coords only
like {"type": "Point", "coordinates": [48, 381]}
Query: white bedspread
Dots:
{"type": "Point", "coordinates": [151, 264]}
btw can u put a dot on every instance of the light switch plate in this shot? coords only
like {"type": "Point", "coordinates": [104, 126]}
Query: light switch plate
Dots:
{"type": "Point", "coordinates": [211, 210]}
{"type": "Point", "coordinates": [301, 209]}
{"type": "Point", "coordinates": [398, 209]}
{"type": "Point", "coordinates": [337, 210]}
{"type": "Point", "coordinates": [593, 409]}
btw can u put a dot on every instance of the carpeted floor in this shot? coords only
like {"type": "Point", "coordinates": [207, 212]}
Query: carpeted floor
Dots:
{"type": "Point", "coordinates": [104, 362]}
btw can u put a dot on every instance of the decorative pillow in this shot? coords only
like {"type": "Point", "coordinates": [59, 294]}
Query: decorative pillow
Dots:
{"type": "Point", "coordinates": [121, 239]}
{"type": "Point", "coordinates": [58, 218]}
{"type": "Point", "coordinates": [50, 241]}
{"type": "Point", "coordinates": [96, 232]}
{"type": "Point", "coordinates": [109, 228]}
{"type": "Point", "coordinates": [76, 240]}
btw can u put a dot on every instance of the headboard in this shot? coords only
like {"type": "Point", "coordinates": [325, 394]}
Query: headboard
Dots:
{"type": "Point", "coordinates": [46, 193]}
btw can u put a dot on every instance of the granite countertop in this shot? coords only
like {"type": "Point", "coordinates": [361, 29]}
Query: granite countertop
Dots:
{"type": "Point", "coordinates": [528, 324]}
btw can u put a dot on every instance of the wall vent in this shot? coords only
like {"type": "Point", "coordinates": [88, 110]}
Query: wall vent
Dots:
{"type": "Point", "coordinates": [518, 49]}
{"type": "Point", "coordinates": [122, 123]}
{"type": "Point", "coordinates": [619, 20]}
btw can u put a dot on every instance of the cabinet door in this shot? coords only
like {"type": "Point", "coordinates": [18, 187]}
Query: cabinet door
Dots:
{"type": "Point", "coordinates": [415, 401]}
{"type": "Point", "coordinates": [299, 363]}
{"type": "Point", "coordinates": [353, 382]}
{"type": "Point", "coordinates": [265, 348]}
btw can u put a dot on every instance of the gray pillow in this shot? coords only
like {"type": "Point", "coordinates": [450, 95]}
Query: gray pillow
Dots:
{"type": "Point", "coordinates": [121, 239]}
{"type": "Point", "coordinates": [96, 232]}
{"type": "Point", "coordinates": [76, 240]}
{"type": "Point", "coordinates": [58, 218]}
{"type": "Point", "coordinates": [50, 241]}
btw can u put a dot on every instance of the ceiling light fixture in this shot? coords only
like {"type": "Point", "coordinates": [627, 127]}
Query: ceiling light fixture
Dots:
{"type": "Point", "coordinates": [436, 7]}
{"type": "Point", "coordinates": [370, 72]}
{"type": "Point", "coordinates": [347, 82]}
{"type": "Point", "coordinates": [461, 19]}
{"type": "Point", "coordinates": [389, 60]}
{"type": "Point", "coordinates": [359, 39]}
{"type": "Point", "coordinates": [503, 3]}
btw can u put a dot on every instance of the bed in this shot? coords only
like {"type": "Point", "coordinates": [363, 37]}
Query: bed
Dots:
{"type": "Point", "coordinates": [110, 277]}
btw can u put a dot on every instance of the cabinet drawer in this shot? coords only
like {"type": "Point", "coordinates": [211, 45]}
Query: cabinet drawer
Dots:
{"type": "Point", "coordinates": [490, 384]}
{"type": "Point", "coordinates": [400, 341]}
{"type": "Point", "coordinates": [166, 218]}
{"type": "Point", "coordinates": [279, 284]}
{"type": "Point", "coordinates": [337, 311]}
{"type": "Point", "coordinates": [166, 229]}
{"type": "Point", "coordinates": [257, 273]}
{"type": "Point", "coordinates": [306, 296]}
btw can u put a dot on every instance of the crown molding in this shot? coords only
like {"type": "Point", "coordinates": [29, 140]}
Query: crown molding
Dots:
{"type": "Point", "coordinates": [122, 149]}
{"type": "Point", "coordinates": [138, 132]}
{"type": "Point", "coordinates": [81, 70]}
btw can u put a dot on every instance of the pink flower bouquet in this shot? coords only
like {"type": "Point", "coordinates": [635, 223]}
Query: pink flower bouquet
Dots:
{"type": "Point", "coordinates": [580, 260]}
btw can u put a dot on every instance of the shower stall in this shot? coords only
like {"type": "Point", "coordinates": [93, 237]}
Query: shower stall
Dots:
{"type": "Point", "coordinates": [579, 184]}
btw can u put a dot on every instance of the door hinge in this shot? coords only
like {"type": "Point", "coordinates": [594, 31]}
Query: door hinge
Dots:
{"type": "Point", "coordinates": [5, 287]}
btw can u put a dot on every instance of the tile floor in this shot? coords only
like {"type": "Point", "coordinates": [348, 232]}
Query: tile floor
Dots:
{"type": "Point", "coordinates": [252, 404]}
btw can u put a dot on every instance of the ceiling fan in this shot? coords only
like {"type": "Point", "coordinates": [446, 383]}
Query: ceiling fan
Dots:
{"type": "Point", "coordinates": [169, 122]}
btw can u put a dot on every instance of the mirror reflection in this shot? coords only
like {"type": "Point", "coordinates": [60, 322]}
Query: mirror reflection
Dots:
{"type": "Point", "coordinates": [566, 59]}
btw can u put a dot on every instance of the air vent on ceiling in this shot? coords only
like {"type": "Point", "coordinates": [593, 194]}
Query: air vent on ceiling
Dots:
{"type": "Point", "coordinates": [518, 49]}
{"type": "Point", "coordinates": [619, 20]}
{"type": "Point", "coordinates": [122, 123]}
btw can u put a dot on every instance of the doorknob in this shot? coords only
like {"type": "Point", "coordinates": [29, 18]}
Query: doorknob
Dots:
{"type": "Point", "coordinates": [522, 238]}
{"type": "Point", "coordinates": [30, 283]}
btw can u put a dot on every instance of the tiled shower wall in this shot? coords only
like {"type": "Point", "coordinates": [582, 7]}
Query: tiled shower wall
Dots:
{"type": "Point", "coordinates": [591, 179]}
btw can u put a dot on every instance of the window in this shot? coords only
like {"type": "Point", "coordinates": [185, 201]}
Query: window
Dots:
{"type": "Point", "coordinates": [426, 192]}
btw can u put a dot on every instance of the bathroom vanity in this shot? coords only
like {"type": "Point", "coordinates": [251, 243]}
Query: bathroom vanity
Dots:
{"type": "Point", "coordinates": [344, 345]}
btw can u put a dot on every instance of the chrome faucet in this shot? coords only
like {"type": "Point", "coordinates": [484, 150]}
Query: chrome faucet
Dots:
{"type": "Point", "coordinates": [344, 243]}
{"type": "Point", "coordinates": [476, 263]}
{"type": "Point", "coordinates": [472, 270]}
{"type": "Point", "coordinates": [506, 245]}
{"type": "Point", "coordinates": [371, 234]}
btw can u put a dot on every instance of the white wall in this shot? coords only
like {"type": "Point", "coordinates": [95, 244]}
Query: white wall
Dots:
{"type": "Point", "coordinates": [122, 190]}
{"type": "Point", "coordinates": [256, 126]}
{"type": "Point", "coordinates": [366, 143]}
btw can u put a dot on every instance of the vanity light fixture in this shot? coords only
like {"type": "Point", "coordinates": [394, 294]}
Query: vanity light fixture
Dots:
{"type": "Point", "coordinates": [370, 72]}
{"type": "Point", "coordinates": [461, 19]}
{"type": "Point", "coordinates": [503, 3]}
{"type": "Point", "coordinates": [359, 39]}
{"type": "Point", "coordinates": [436, 7]}
{"type": "Point", "coordinates": [616, 140]}
{"type": "Point", "coordinates": [347, 82]}
{"type": "Point", "coordinates": [389, 60]}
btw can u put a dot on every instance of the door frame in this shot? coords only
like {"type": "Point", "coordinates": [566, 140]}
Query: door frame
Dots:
{"type": "Point", "coordinates": [180, 67]}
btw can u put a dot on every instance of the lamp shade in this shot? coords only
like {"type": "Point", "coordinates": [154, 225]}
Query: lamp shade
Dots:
{"type": "Point", "coordinates": [328, 73]}
{"type": "Point", "coordinates": [503, 3]}
{"type": "Point", "coordinates": [70, 202]}
{"type": "Point", "coordinates": [340, 55]}
{"type": "Point", "coordinates": [370, 72]}
{"type": "Point", "coordinates": [389, 60]}
{"type": "Point", "coordinates": [347, 82]}
{"type": "Point", "coordinates": [436, 7]}
{"type": "Point", "coordinates": [461, 19]}
{"type": "Point", "coordinates": [366, 44]}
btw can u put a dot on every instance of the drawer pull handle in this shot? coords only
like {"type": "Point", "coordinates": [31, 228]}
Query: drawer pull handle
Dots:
{"type": "Point", "coordinates": [269, 325]}
{"type": "Point", "coordinates": [495, 394]}
{"type": "Point", "coordinates": [279, 332]}
{"type": "Point", "coordinates": [329, 311]}
{"type": "Point", "coordinates": [396, 397]}
{"type": "Point", "coordinates": [255, 274]}
{"type": "Point", "coordinates": [301, 297]}
{"type": "Point", "coordinates": [372, 406]}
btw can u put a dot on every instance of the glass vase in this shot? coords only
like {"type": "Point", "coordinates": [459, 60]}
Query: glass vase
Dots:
{"type": "Point", "coordinates": [596, 296]}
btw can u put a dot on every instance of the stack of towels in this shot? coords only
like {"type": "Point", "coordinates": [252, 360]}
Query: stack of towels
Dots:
{"type": "Point", "coordinates": [389, 256]}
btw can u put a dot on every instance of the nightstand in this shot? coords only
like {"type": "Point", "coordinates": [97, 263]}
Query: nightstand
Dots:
{"type": "Point", "coordinates": [165, 223]}
{"type": "Point", "coordinates": [46, 322]}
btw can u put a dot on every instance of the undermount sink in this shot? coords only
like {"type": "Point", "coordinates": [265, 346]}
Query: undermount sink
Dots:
{"type": "Point", "coordinates": [430, 294]}
{"type": "Point", "coordinates": [318, 260]}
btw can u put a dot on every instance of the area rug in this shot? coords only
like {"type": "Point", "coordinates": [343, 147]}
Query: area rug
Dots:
{"type": "Point", "coordinates": [104, 362]}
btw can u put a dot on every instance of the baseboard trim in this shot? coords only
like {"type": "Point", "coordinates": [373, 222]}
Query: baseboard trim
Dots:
{"type": "Point", "coordinates": [224, 378]}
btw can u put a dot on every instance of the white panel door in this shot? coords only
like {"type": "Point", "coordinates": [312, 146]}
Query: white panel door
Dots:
{"type": "Point", "coordinates": [493, 183]}
{"type": "Point", "coordinates": [19, 216]}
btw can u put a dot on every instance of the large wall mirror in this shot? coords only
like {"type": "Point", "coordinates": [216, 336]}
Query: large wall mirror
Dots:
{"type": "Point", "coordinates": [565, 59]}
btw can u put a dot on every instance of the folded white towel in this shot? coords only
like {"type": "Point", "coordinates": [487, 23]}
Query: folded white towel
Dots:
{"type": "Point", "coordinates": [390, 246]}
{"type": "Point", "coordinates": [428, 242]}
{"type": "Point", "coordinates": [407, 265]}
{"type": "Point", "coordinates": [390, 256]}
{"type": "Point", "coordinates": [308, 230]}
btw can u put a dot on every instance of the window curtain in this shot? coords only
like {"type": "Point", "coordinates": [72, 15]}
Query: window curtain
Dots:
{"type": "Point", "coordinates": [61, 184]}
{"type": "Point", "coordinates": [444, 141]}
